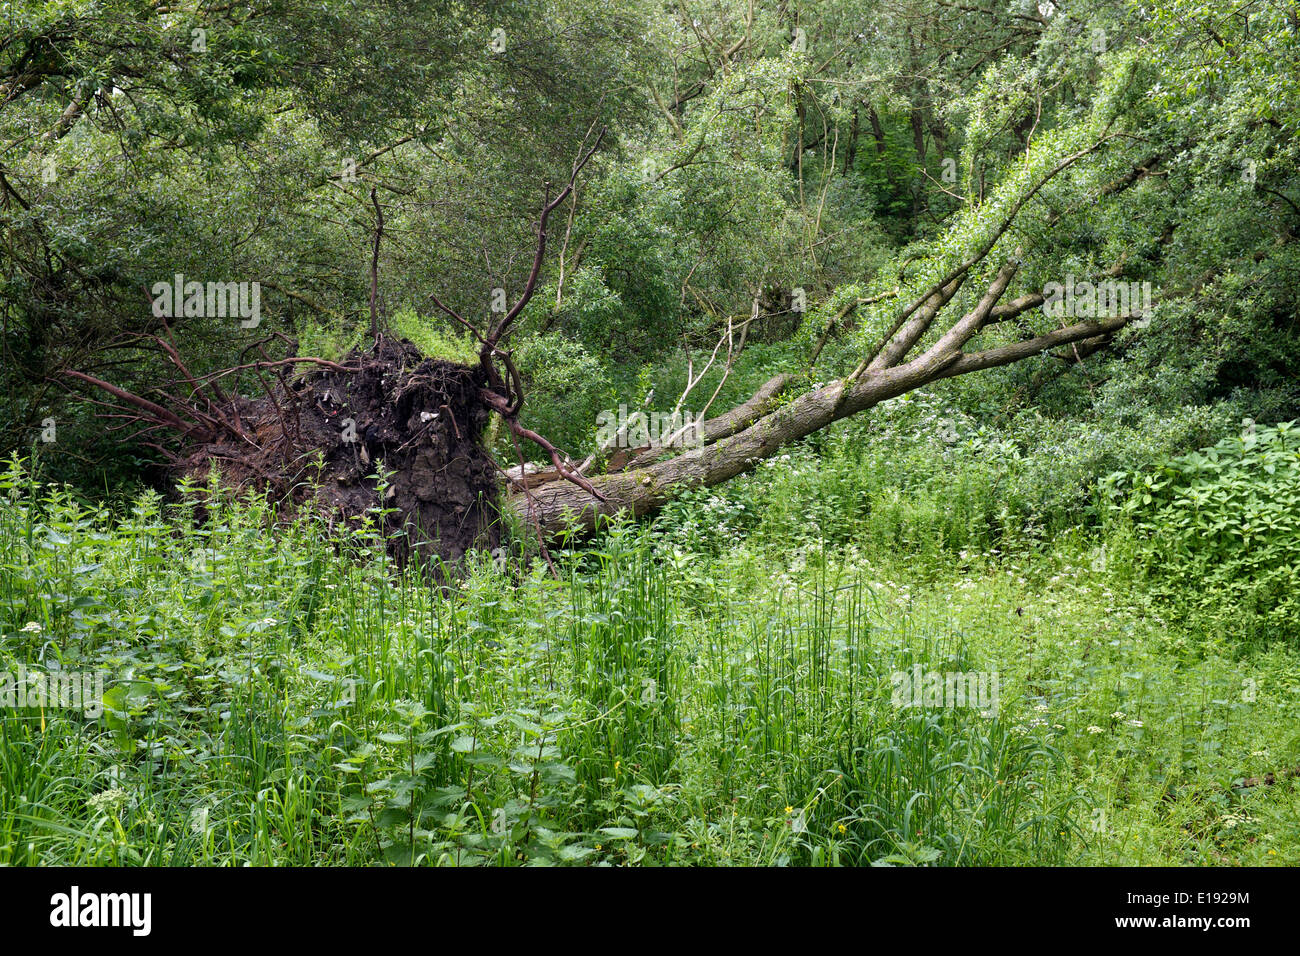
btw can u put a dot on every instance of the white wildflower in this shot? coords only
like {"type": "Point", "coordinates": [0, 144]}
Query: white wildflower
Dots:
{"type": "Point", "coordinates": [109, 801]}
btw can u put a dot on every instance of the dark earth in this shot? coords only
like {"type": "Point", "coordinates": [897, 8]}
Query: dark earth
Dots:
{"type": "Point", "coordinates": [318, 440]}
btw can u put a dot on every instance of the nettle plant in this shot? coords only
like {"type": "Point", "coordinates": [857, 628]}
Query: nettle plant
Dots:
{"type": "Point", "coordinates": [1217, 531]}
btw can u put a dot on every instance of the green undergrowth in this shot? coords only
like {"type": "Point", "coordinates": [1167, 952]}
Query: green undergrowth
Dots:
{"type": "Point", "coordinates": [292, 698]}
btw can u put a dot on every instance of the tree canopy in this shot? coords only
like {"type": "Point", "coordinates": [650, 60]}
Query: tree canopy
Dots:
{"type": "Point", "coordinates": [799, 171]}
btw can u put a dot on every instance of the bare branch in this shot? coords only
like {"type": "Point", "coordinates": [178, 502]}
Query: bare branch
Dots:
{"type": "Point", "coordinates": [374, 266]}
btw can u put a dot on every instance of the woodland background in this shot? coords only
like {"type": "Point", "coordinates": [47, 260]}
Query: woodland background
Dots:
{"type": "Point", "coordinates": [1114, 534]}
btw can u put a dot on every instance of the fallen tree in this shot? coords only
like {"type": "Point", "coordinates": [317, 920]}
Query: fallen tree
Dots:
{"type": "Point", "coordinates": [915, 352]}
{"type": "Point", "coordinates": [319, 436]}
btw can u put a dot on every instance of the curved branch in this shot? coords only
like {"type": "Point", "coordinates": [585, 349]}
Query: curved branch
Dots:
{"type": "Point", "coordinates": [550, 206]}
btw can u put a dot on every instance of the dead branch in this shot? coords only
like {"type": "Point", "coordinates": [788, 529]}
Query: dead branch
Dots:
{"type": "Point", "coordinates": [374, 266]}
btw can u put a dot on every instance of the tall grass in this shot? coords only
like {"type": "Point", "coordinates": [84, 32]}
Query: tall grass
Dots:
{"type": "Point", "coordinates": [288, 696]}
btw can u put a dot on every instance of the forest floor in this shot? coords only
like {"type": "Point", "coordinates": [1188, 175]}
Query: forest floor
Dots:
{"type": "Point", "coordinates": [293, 698]}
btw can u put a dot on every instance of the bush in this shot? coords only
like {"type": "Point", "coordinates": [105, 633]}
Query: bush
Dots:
{"type": "Point", "coordinates": [1216, 533]}
{"type": "Point", "coordinates": [566, 386]}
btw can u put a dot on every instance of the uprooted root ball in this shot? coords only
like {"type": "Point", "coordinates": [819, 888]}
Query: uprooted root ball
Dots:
{"type": "Point", "coordinates": [319, 439]}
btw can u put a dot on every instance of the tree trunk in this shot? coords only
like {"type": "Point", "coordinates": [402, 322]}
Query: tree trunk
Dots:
{"type": "Point", "coordinates": [557, 505]}
{"type": "Point", "coordinates": [425, 419]}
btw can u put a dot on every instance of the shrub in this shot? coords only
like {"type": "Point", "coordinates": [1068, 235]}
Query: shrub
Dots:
{"type": "Point", "coordinates": [1216, 532]}
{"type": "Point", "coordinates": [566, 386]}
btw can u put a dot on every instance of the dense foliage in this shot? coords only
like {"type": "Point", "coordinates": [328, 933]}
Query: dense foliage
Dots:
{"type": "Point", "coordinates": [1218, 530]}
{"type": "Point", "coordinates": [1111, 528]}
{"type": "Point", "coordinates": [277, 701]}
